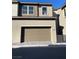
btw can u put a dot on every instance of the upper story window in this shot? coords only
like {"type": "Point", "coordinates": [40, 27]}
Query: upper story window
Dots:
{"type": "Point", "coordinates": [44, 10]}
{"type": "Point", "coordinates": [24, 9]}
{"type": "Point", "coordinates": [27, 9]}
{"type": "Point", "coordinates": [30, 9]}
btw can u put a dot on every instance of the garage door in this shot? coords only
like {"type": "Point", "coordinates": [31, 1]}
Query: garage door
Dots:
{"type": "Point", "coordinates": [37, 35]}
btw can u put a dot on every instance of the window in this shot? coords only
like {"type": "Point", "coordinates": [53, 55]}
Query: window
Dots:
{"type": "Point", "coordinates": [30, 10]}
{"type": "Point", "coordinates": [27, 9]}
{"type": "Point", "coordinates": [44, 11]}
{"type": "Point", "coordinates": [24, 9]}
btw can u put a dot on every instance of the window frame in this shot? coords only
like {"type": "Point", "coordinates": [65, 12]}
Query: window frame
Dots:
{"type": "Point", "coordinates": [32, 10]}
{"type": "Point", "coordinates": [27, 10]}
{"type": "Point", "coordinates": [23, 9]}
{"type": "Point", "coordinates": [44, 11]}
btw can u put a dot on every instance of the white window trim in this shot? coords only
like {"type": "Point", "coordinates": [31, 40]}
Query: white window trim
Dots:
{"type": "Point", "coordinates": [28, 10]}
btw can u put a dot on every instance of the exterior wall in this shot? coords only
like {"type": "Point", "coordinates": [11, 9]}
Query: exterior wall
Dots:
{"type": "Point", "coordinates": [62, 21]}
{"type": "Point", "coordinates": [17, 24]}
{"type": "Point", "coordinates": [15, 9]}
{"type": "Point", "coordinates": [35, 12]}
{"type": "Point", "coordinates": [49, 11]}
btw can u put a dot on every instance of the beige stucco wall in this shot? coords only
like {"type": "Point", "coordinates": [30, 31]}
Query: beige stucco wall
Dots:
{"type": "Point", "coordinates": [17, 24]}
{"type": "Point", "coordinates": [49, 11]}
{"type": "Point", "coordinates": [35, 11]}
{"type": "Point", "coordinates": [15, 9]}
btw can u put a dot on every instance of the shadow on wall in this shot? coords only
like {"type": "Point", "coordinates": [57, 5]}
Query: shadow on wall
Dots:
{"type": "Point", "coordinates": [51, 52]}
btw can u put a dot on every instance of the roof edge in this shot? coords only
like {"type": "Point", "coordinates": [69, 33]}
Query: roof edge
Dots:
{"type": "Point", "coordinates": [35, 3]}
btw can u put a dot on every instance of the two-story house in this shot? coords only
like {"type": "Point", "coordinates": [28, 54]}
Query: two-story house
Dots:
{"type": "Point", "coordinates": [33, 23]}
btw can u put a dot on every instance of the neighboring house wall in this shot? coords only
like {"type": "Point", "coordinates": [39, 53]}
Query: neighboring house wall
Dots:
{"type": "Point", "coordinates": [15, 9]}
{"type": "Point", "coordinates": [17, 24]}
{"type": "Point", "coordinates": [62, 21]}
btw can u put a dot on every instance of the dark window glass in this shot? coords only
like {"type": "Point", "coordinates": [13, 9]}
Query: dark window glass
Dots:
{"type": "Point", "coordinates": [30, 10]}
{"type": "Point", "coordinates": [44, 11]}
{"type": "Point", "coordinates": [24, 9]}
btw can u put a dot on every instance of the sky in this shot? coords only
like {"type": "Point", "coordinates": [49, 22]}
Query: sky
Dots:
{"type": "Point", "coordinates": [56, 3]}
